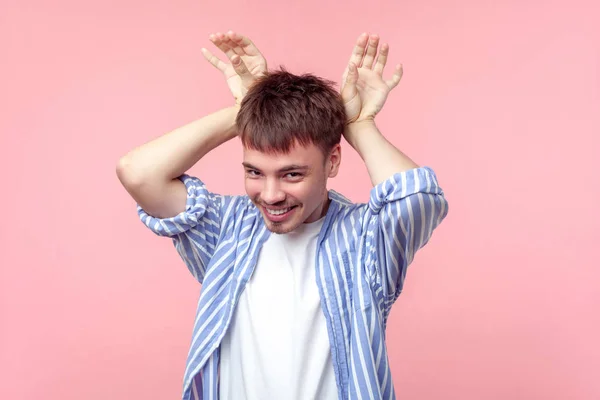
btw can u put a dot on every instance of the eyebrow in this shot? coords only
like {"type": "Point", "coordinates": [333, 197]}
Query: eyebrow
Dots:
{"type": "Point", "coordinates": [293, 167]}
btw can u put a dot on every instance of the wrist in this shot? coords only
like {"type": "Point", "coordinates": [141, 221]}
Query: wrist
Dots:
{"type": "Point", "coordinates": [356, 128]}
{"type": "Point", "coordinates": [230, 127]}
{"type": "Point", "coordinates": [360, 124]}
{"type": "Point", "coordinates": [360, 134]}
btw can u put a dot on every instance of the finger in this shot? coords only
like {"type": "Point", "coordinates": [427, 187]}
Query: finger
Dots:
{"type": "Point", "coordinates": [371, 51]}
{"type": "Point", "coordinates": [381, 59]}
{"type": "Point", "coordinates": [359, 49]}
{"type": "Point", "coordinates": [392, 83]}
{"type": "Point", "coordinates": [237, 49]}
{"type": "Point", "coordinates": [246, 44]}
{"type": "Point", "coordinates": [214, 60]}
{"type": "Point", "coordinates": [219, 40]}
{"type": "Point", "coordinates": [241, 69]}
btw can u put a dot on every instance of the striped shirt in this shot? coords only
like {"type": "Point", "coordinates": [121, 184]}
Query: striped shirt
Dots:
{"type": "Point", "coordinates": [363, 251]}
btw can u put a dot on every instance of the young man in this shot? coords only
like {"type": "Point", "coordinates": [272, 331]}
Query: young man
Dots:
{"type": "Point", "coordinates": [297, 281]}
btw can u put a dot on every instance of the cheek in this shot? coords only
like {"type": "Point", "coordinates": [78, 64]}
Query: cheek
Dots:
{"type": "Point", "coordinates": [310, 194]}
{"type": "Point", "coordinates": [252, 187]}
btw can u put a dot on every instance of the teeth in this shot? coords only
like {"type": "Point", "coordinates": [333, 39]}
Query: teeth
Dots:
{"type": "Point", "coordinates": [278, 212]}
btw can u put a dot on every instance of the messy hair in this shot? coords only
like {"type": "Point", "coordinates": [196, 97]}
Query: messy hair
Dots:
{"type": "Point", "coordinates": [281, 110]}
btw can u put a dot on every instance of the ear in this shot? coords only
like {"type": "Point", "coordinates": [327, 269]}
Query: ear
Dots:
{"type": "Point", "coordinates": [333, 162]}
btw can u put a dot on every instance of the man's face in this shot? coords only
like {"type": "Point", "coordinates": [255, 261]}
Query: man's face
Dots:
{"type": "Point", "coordinates": [290, 189]}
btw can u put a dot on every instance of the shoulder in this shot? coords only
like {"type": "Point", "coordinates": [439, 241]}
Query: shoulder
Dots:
{"type": "Point", "coordinates": [346, 218]}
{"type": "Point", "coordinates": [231, 209]}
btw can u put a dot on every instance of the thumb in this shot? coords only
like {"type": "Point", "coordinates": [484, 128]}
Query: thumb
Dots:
{"type": "Point", "coordinates": [349, 89]}
{"type": "Point", "coordinates": [241, 69]}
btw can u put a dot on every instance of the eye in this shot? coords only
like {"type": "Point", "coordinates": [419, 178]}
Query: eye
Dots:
{"type": "Point", "coordinates": [294, 175]}
{"type": "Point", "coordinates": [252, 172]}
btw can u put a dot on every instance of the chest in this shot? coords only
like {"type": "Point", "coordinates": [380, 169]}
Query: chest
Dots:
{"type": "Point", "coordinates": [283, 284]}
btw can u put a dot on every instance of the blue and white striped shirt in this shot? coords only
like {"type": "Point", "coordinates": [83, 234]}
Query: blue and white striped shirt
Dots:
{"type": "Point", "coordinates": [363, 251]}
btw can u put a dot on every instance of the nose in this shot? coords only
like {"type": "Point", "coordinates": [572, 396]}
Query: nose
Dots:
{"type": "Point", "coordinates": [272, 193]}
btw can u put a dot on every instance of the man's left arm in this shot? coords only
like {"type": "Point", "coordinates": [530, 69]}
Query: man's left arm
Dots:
{"type": "Point", "coordinates": [406, 202]}
{"type": "Point", "coordinates": [405, 206]}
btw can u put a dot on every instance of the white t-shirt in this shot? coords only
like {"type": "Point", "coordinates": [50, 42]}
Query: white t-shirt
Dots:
{"type": "Point", "coordinates": [277, 345]}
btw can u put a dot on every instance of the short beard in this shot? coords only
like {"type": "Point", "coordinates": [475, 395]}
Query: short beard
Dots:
{"type": "Point", "coordinates": [277, 227]}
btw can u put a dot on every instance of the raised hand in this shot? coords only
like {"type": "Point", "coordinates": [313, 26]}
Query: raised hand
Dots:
{"type": "Point", "coordinates": [246, 63]}
{"type": "Point", "coordinates": [364, 90]}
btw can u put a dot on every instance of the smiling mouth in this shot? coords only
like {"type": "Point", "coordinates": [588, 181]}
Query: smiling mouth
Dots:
{"type": "Point", "coordinates": [278, 214]}
{"type": "Point", "coordinates": [279, 210]}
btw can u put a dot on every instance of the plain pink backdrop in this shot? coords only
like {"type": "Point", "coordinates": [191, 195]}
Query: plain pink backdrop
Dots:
{"type": "Point", "coordinates": [500, 98]}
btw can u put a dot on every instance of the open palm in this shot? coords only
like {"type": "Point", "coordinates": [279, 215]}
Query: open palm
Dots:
{"type": "Point", "coordinates": [246, 62]}
{"type": "Point", "coordinates": [365, 91]}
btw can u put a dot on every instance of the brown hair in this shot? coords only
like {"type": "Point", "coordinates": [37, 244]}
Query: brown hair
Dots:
{"type": "Point", "coordinates": [282, 109]}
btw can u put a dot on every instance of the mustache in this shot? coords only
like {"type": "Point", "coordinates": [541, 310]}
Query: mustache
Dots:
{"type": "Point", "coordinates": [281, 204]}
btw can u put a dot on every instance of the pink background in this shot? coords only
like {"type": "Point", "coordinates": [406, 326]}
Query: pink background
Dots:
{"type": "Point", "coordinates": [500, 98]}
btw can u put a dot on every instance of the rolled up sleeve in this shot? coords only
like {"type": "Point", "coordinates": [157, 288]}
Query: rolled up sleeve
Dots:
{"type": "Point", "coordinates": [405, 209]}
{"type": "Point", "coordinates": [195, 231]}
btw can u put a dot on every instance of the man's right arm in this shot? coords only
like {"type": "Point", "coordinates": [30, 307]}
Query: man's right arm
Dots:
{"type": "Point", "coordinates": [150, 172]}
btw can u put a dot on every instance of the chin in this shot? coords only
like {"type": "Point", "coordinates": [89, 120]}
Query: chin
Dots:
{"type": "Point", "coordinates": [279, 228]}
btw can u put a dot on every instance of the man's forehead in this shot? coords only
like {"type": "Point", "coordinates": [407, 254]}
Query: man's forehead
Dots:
{"type": "Point", "coordinates": [276, 165]}
{"type": "Point", "coordinates": [299, 156]}
{"type": "Point", "coordinates": [279, 168]}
